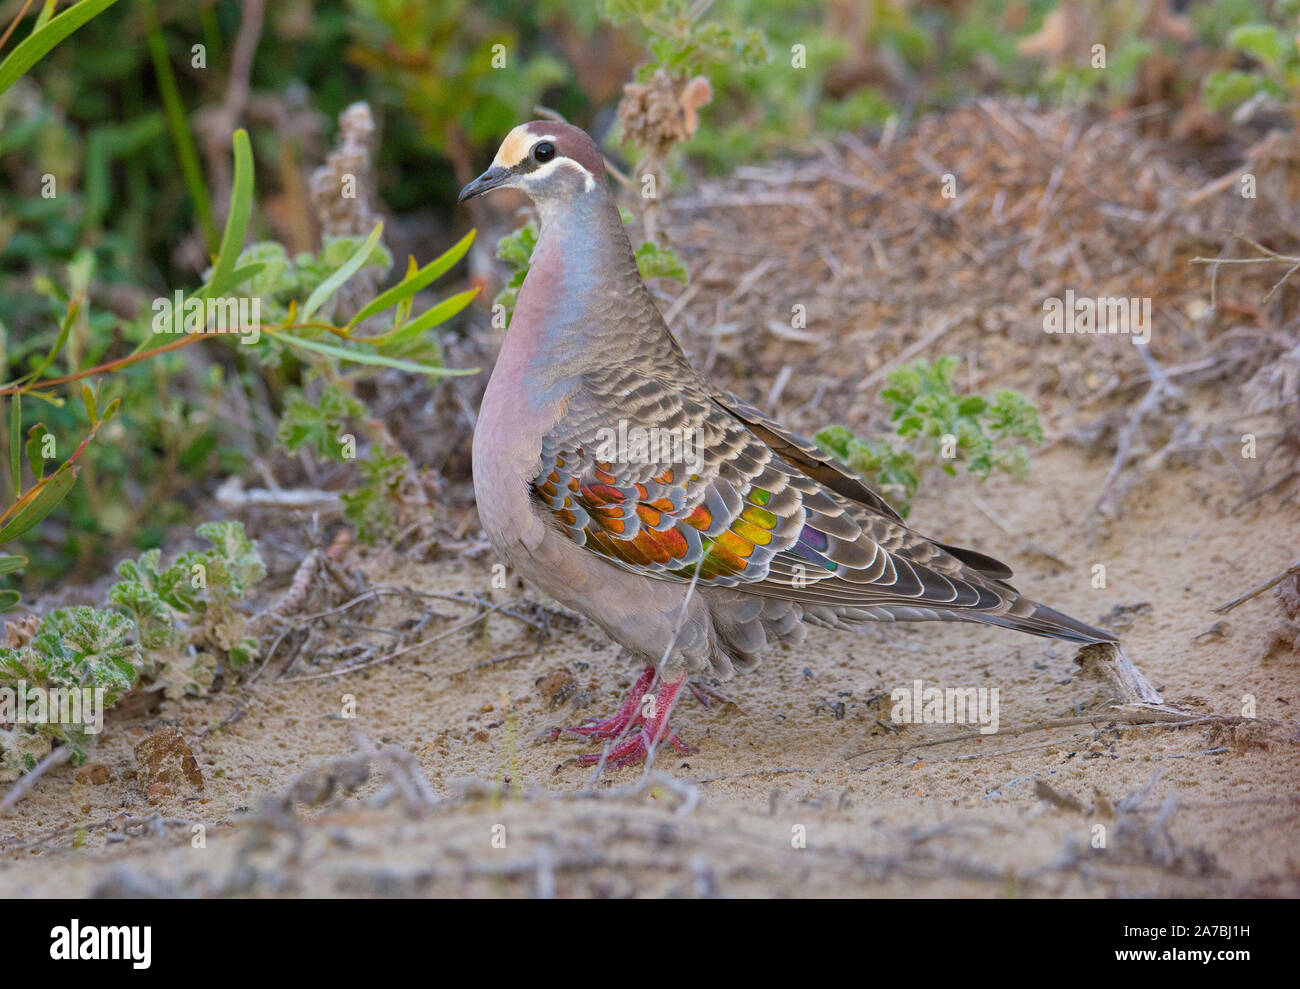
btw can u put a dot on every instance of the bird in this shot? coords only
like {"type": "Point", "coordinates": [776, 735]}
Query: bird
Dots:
{"type": "Point", "coordinates": [695, 530]}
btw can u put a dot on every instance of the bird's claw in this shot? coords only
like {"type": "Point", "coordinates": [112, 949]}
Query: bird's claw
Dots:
{"type": "Point", "coordinates": [634, 733]}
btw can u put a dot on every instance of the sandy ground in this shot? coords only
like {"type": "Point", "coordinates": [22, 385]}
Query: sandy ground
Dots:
{"type": "Point", "coordinates": [801, 753]}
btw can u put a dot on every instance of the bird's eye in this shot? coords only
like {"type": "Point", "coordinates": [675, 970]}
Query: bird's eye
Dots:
{"type": "Point", "coordinates": [543, 151]}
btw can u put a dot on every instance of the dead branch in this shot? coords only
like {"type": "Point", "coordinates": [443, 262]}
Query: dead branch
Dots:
{"type": "Point", "coordinates": [1258, 589]}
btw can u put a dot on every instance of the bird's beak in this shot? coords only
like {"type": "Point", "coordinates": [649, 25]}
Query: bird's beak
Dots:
{"type": "Point", "coordinates": [486, 182]}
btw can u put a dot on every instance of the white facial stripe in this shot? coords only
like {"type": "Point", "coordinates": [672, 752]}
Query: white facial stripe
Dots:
{"type": "Point", "coordinates": [543, 171]}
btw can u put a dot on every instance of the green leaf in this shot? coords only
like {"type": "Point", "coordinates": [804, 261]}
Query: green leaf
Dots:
{"type": "Point", "coordinates": [1229, 89]}
{"type": "Point", "coordinates": [516, 249]}
{"type": "Point", "coordinates": [368, 357]}
{"type": "Point", "coordinates": [654, 261]}
{"type": "Point", "coordinates": [46, 13]}
{"type": "Point", "coordinates": [79, 646]}
{"type": "Point", "coordinates": [37, 44]}
{"type": "Point", "coordinates": [245, 273]}
{"type": "Point", "coordinates": [45, 501]}
{"type": "Point", "coordinates": [92, 405]}
{"type": "Point", "coordinates": [9, 600]}
{"type": "Point", "coordinates": [1261, 40]}
{"type": "Point", "coordinates": [178, 124]}
{"type": "Point", "coordinates": [335, 281]}
{"type": "Point", "coordinates": [835, 440]}
{"type": "Point", "coordinates": [35, 458]}
{"type": "Point", "coordinates": [241, 564]}
{"type": "Point", "coordinates": [413, 283]}
{"type": "Point", "coordinates": [434, 316]}
{"type": "Point", "coordinates": [319, 423]}
{"type": "Point", "coordinates": [241, 206]}
{"type": "Point", "coordinates": [10, 562]}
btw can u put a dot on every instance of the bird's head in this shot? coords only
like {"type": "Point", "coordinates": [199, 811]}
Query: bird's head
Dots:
{"type": "Point", "coordinates": [549, 162]}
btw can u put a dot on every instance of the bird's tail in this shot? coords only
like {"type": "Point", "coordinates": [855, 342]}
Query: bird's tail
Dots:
{"type": "Point", "coordinates": [1039, 619]}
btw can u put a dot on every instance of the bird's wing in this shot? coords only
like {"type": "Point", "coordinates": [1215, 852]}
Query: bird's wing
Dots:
{"type": "Point", "coordinates": [740, 499]}
{"type": "Point", "coordinates": [663, 478]}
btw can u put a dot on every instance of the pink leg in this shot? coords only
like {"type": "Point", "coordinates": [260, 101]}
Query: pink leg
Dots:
{"type": "Point", "coordinates": [642, 731]}
{"type": "Point", "coordinates": [645, 732]}
{"type": "Point", "coordinates": [612, 727]}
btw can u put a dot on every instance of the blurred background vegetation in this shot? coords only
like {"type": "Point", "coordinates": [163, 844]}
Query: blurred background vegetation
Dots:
{"type": "Point", "coordinates": [133, 114]}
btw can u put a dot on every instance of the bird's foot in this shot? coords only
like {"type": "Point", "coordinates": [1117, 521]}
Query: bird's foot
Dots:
{"type": "Point", "coordinates": [644, 722]}
{"type": "Point", "coordinates": [628, 713]}
{"type": "Point", "coordinates": [635, 748]}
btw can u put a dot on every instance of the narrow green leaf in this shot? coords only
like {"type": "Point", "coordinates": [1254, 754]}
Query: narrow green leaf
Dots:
{"type": "Point", "coordinates": [413, 283]}
{"type": "Point", "coordinates": [431, 317]}
{"type": "Point", "coordinates": [235, 279]}
{"type": "Point", "coordinates": [335, 281]}
{"type": "Point", "coordinates": [35, 440]}
{"type": "Point", "coordinates": [241, 275]}
{"type": "Point", "coordinates": [241, 206]}
{"type": "Point", "coordinates": [368, 357]}
{"type": "Point", "coordinates": [92, 406]}
{"type": "Point", "coordinates": [9, 599]}
{"type": "Point", "coordinates": [46, 13]}
{"type": "Point", "coordinates": [47, 398]}
{"type": "Point", "coordinates": [54, 491]}
{"type": "Point", "coordinates": [65, 328]}
{"type": "Point", "coordinates": [178, 124]}
{"type": "Point", "coordinates": [37, 44]}
{"type": "Point", "coordinates": [11, 562]}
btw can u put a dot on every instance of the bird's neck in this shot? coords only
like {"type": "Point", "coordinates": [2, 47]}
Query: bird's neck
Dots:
{"type": "Point", "coordinates": [583, 297]}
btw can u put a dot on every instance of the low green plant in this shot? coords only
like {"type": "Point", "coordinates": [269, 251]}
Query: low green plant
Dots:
{"type": "Point", "coordinates": [679, 38]}
{"type": "Point", "coordinates": [79, 648]}
{"type": "Point", "coordinates": [371, 507]}
{"type": "Point", "coordinates": [32, 505]}
{"type": "Point", "coordinates": [320, 426]}
{"type": "Point", "coordinates": [184, 615]}
{"type": "Point", "coordinates": [176, 627]}
{"type": "Point", "coordinates": [1274, 73]}
{"type": "Point", "coordinates": [935, 425]}
{"type": "Point", "coordinates": [295, 299]}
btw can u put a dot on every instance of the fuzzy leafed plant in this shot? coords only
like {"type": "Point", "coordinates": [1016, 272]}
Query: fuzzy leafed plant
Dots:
{"type": "Point", "coordinates": [935, 425]}
{"type": "Point", "coordinates": [184, 615]}
{"type": "Point", "coordinates": [81, 649]}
